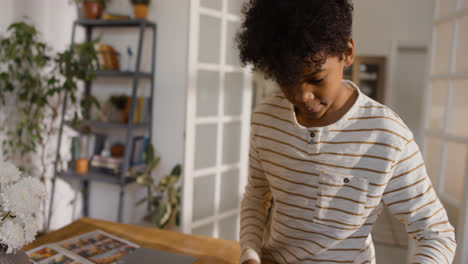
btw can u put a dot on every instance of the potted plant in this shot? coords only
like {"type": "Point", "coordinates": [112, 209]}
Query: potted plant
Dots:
{"type": "Point", "coordinates": [140, 8]}
{"type": "Point", "coordinates": [20, 202]}
{"type": "Point", "coordinates": [164, 196]}
{"type": "Point", "coordinates": [118, 103]}
{"type": "Point", "coordinates": [92, 8]}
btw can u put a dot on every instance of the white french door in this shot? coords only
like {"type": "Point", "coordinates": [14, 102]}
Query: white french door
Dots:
{"type": "Point", "coordinates": [446, 128]}
{"type": "Point", "coordinates": [217, 122]}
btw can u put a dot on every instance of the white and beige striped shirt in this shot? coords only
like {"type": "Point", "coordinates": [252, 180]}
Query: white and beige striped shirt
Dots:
{"type": "Point", "coordinates": [329, 184]}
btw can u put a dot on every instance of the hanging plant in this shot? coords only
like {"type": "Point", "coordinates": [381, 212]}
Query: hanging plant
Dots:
{"type": "Point", "coordinates": [33, 84]}
{"type": "Point", "coordinates": [37, 79]}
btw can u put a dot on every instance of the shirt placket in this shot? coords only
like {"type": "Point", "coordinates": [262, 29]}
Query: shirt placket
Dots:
{"type": "Point", "coordinates": [313, 138]}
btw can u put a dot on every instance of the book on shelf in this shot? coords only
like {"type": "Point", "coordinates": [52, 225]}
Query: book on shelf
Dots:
{"type": "Point", "coordinates": [142, 110]}
{"type": "Point", "coordinates": [111, 165]}
{"type": "Point", "coordinates": [138, 148]}
{"type": "Point", "coordinates": [107, 57]}
{"type": "Point", "coordinates": [113, 16]}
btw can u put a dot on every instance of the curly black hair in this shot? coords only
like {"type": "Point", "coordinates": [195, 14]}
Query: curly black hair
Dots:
{"type": "Point", "coordinates": [276, 36]}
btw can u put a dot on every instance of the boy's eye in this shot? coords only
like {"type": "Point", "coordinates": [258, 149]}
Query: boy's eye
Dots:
{"type": "Point", "coordinates": [315, 81]}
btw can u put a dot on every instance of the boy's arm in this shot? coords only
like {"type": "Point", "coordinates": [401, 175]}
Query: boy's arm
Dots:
{"type": "Point", "coordinates": [253, 216]}
{"type": "Point", "coordinates": [411, 198]}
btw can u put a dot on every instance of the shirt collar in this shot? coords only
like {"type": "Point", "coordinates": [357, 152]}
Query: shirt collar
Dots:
{"type": "Point", "coordinates": [340, 122]}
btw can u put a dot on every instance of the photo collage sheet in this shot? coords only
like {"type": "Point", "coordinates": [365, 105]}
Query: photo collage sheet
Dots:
{"type": "Point", "coordinates": [96, 247]}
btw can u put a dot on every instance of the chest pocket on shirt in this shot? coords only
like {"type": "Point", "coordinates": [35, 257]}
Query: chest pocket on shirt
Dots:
{"type": "Point", "coordinates": [341, 201]}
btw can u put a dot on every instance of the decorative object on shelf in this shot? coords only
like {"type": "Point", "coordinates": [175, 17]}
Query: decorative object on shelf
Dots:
{"type": "Point", "coordinates": [82, 160]}
{"type": "Point", "coordinates": [140, 8]}
{"type": "Point", "coordinates": [81, 166]}
{"type": "Point", "coordinates": [118, 103]}
{"type": "Point", "coordinates": [106, 152]}
{"type": "Point", "coordinates": [164, 196]}
{"type": "Point", "coordinates": [117, 150]}
{"type": "Point", "coordinates": [130, 62]}
{"type": "Point", "coordinates": [92, 9]}
{"type": "Point", "coordinates": [20, 201]}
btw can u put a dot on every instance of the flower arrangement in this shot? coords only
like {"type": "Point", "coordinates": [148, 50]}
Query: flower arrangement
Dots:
{"type": "Point", "coordinates": [20, 201]}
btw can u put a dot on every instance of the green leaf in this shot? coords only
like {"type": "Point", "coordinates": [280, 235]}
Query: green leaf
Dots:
{"type": "Point", "coordinates": [148, 155]}
{"type": "Point", "coordinates": [172, 179]}
{"type": "Point", "coordinates": [141, 201]}
{"type": "Point", "coordinates": [145, 179]}
{"type": "Point", "coordinates": [177, 170]}
{"type": "Point", "coordinates": [153, 164]}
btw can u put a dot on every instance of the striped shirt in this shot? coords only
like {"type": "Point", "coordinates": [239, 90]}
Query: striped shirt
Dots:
{"type": "Point", "coordinates": [329, 184]}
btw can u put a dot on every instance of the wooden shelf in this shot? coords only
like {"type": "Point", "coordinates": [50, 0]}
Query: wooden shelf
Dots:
{"type": "Point", "coordinates": [96, 176]}
{"type": "Point", "coordinates": [114, 23]}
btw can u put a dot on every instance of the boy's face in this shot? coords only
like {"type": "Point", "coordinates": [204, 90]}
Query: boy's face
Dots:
{"type": "Point", "coordinates": [320, 90]}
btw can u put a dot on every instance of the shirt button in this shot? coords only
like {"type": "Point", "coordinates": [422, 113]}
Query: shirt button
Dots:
{"type": "Point", "coordinates": [311, 141]}
{"type": "Point", "coordinates": [312, 134]}
{"type": "Point", "coordinates": [346, 180]}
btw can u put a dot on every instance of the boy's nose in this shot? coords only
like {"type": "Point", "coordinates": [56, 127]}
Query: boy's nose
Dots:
{"type": "Point", "coordinates": [305, 95]}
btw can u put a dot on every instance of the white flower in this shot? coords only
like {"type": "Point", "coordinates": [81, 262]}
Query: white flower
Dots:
{"type": "Point", "coordinates": [24, 197]}
{"type": "Point", "coordinates": [8, 173]}
{"type": "Point", "coordinates": [12, 234]}
{"type": "Point", "coordinates": [30, 229]}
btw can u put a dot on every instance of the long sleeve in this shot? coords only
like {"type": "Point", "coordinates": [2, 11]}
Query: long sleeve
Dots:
{"type": "Point", "coordinates": [253, 215]}
{"type": "Point", "coordinates": [410, 197]}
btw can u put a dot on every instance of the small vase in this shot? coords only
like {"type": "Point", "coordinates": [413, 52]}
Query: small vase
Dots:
{"type": "Point", "coordinates": [92, 10]}
{"type": "Point", "coordinates": [140, 10]}
{"type": "Point", "coordinates": [19, 257]}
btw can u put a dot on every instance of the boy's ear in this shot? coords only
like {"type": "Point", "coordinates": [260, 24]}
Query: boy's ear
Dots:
{"type": "Point", "coordinates": [349, 53]}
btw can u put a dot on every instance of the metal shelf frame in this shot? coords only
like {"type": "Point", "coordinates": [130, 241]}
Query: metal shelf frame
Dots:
{"type": "Point", "coordinates": [122, 180]}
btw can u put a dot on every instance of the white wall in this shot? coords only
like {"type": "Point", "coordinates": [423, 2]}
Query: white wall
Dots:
{"type": "Point", "coordinates": [379, 22]}
{"type": "Point", "coordinates": [171, 73]}
{"type": "Point", "coordinates": [379, 26]}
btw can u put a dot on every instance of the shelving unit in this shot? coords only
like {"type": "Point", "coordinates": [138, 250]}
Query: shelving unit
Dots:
{"type": "Point", "coordinates": [129, 129]}
{"type": "Point", "coordinates": [368, 72]}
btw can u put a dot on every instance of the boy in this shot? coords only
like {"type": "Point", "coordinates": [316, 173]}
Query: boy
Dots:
{"type": "Point", "coordinates": [330, 157]}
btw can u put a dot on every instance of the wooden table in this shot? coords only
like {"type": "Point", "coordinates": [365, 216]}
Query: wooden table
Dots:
{"type": "Point", "coordinates": [206, 249]}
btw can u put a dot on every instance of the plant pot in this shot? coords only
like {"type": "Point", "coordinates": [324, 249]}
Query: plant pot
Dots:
{"type": "Point", "coordinates": [92, 10]}
{"type": "Point", "coordinates": [140, 10]}
{"type": "Point", "coordinates": [17, 258]}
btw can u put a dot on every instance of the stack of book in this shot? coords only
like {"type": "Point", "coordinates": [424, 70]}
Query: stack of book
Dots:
{"type": "Point", "coordinates": [113, 165]}
{"type": "Point", "coordinates": [142, 110]}
{"type": "Point", "coordinates": [139, 146]}
{"type": "Point", "coordinates": [108, 165]}
{"type": "Point", "coordinates": [107, 57]}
